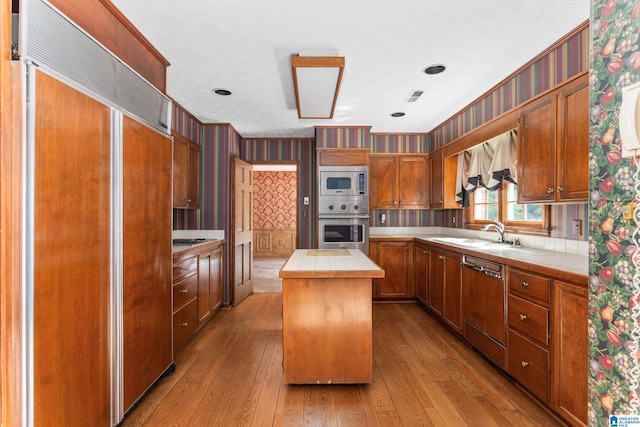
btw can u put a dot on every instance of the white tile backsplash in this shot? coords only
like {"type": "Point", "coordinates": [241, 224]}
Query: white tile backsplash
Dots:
{"type": "Point", "coordinates": [574, 247]}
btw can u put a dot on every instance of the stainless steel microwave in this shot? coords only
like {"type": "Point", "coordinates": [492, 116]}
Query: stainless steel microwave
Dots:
{"type": "Point", "coordinates": [335, 181]}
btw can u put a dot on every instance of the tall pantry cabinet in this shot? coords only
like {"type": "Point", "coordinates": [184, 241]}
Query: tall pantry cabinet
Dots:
{"type": "Point", "coordinates": [101, 260]}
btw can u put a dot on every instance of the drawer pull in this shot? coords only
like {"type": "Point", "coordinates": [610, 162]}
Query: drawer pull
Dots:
{"type": "Point", "coordinates": [184, 291]}
{"type": "Point", "coordinates": [524, 364]}
{"type": "Point", "coordinates": [523, 317]}
{"type": "Point", "coordinates": [185, 324]}
{"type": "Point", "coordinates": [525, 285]}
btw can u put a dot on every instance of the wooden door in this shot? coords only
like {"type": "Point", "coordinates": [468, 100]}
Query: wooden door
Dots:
{"type": "Point", "coordinates": [382, 182]}
{"type": "Point", "coordinates": [392, 258]}
{"type": "Point", "coordinates": [570, 362]}
{"type": "Point", "coordinates": [147, 258]}
{"type": "Point", "coordinates": [421, 265]}
{"type": "Point", "coordinates": [242, 230]}
{"type": "Point", "coordinates": [452, 307]}
{"type": "Point", "coordinates": [193, 176]}
{"type": "Point", "coordinates": [573, 142]}
{"type": "Point", "coordinates": [436, 281]}
{"type": "Point", "coordinates": [71, 307]}
{"type": "Point", "coordinates": [204, 286]}
{"type": "Point", "coordinates": [436, 168]}
{"type": "Point", "coordinates": [180, 170]}
{"type": "Point", "coordinates": [413, 182]}
{"type": "Point", "coordinates": [537, 152]}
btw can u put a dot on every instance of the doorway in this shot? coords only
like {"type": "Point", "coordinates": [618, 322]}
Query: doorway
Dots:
{"type": "Point", "coordinates": [275, 201]}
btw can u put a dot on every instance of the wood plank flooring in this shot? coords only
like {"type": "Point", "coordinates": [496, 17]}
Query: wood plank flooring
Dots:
{"type": "Point", "coordinates": [230, 374]}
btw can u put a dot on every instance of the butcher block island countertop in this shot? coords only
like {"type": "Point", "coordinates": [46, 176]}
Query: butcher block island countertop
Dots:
{"type": "Point", "coordinates": [326, 316]}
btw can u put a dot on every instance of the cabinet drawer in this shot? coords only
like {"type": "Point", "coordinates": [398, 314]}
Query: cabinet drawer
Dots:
{"type": "Point", "coordinates": [183, 267]}
{"type": "Point", "coordinates": [530, 286]}
{"type": "Point", "coordinates": [185, 322]}
{"type": "Point", "coordinates": [528, 363]}
{"type": "Point", "coordinates": [185, 290]}
{"type": "Point", "coordinates": [529, 319]}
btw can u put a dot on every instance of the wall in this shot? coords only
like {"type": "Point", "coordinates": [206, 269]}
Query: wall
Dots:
{"type": "Point", "coordinates": [303, 152]}
{"type": "Point", "coordinates": [614, 294]}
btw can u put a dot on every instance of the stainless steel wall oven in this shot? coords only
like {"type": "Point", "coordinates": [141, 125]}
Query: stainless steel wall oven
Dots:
{"type": "Point", "coordinates": [343, 207]}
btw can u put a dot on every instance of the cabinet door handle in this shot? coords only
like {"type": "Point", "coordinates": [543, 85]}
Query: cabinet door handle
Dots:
{"type": "Point", "coordinates": [424, 252]}
{"type": "Point", "coordinates": [523, 317]}
{"type": "Point", "coordinates": [524, 364]}
{"type": "Point", "coordinates": [525, 285]}
{"type": "Point", "coordinates": [441, 257]}
{"type": "Point", "coordinates": [185, 324]}
{"type": "Point", "coordinates": [394, 202]}
{"type": "Point", "coordinates": [560, 189]}
{"type": "Point", "coordinates": [184, 291]}
{"type": "Point", "coordinates": [549, 190]}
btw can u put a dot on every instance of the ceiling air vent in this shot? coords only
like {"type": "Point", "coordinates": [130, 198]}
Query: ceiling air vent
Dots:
{"type": "Point", "coordinates": [414, 96]}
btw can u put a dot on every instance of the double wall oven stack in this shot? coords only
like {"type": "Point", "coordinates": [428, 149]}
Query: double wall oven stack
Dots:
{"type": "Point", "coordinates": [343, 207]}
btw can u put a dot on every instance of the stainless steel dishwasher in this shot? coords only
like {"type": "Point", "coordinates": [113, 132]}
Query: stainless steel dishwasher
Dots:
{"type": "Point", "coordinates": [484, 307]}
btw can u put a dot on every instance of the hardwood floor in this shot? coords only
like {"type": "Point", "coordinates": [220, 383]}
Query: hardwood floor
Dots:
{"type": "Point", "coordinates": [230, 374]}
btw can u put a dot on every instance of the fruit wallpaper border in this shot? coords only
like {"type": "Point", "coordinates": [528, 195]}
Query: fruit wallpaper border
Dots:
{"type": "Point", "coordinates": [613, 310]}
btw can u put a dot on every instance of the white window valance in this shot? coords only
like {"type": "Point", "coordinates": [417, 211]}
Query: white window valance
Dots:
{"type": "Point", "coordinates": [487, 165]}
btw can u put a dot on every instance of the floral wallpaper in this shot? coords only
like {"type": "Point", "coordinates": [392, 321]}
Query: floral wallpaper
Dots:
{"type": "Point", "coordinates": [274, 199]}
{"type": "Point", "coordinates": [613, 309]}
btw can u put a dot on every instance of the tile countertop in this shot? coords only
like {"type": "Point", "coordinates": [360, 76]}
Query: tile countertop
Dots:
{"type": "Point", "coordinates": [329, 263]}
{"type": "Point", "coordinates": [554, 261]}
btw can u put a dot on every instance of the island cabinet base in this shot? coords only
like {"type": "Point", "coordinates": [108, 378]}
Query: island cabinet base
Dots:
{"type": "Point", "coordinates": [326, 325]}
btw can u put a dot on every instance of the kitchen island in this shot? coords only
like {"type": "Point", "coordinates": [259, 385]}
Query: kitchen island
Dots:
{"type": "Point", "coordinates": [326, 316]}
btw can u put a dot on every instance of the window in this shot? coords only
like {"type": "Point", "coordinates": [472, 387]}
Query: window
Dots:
{"type": "Point", "coordinates": [502, 205]}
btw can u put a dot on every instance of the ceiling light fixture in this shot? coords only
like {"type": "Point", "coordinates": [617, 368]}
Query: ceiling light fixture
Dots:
{"type": "Point", "coordinates": [434, 69]}
{"type": "Point", "coordinates": [398, 114]}
{"type": "Point", "coordinates": [316, 80]}
{"type": "Point", "coordinates": [223, 92]}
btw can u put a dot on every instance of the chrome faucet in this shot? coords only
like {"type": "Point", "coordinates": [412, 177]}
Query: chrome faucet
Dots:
{"type": "Point", "coordinates": [499, 227]}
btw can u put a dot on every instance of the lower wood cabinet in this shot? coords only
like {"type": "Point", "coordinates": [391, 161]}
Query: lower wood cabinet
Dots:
{"type": "Point", "coordinates": [444, 288]}
{"type": "Point", "coordinates": [570, 365]}
{"type": "Point", "coordinates": [421, 271]}
{"type": "Point", "coordinates": [197, 289]}
{"type": "Point", "coordinates": [396, 259]}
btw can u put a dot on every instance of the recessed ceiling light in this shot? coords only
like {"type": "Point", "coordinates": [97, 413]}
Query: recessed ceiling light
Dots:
{"type": "Point", "coordinates": [398, 114]}
{"type": "Point", "coordinates": [223, 92]}
{"type": "Point", "coordinates": [434, 69]}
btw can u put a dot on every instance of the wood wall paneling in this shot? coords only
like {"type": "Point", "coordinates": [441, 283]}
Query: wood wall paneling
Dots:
{"type": "Point", "coordinates": [147, 323]}
{"type": "Point", "coordinates": [71, 257]}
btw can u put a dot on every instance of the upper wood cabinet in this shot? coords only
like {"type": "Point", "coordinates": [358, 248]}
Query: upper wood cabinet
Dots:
{"type": "Point", "coordinates": [186, 173]}
{"type": "Point", "coordinates": [553, 146]}
{"type": "Point", "coordinates": [398, 181]}
{"type": "Point", "coordinates": [442, 194]}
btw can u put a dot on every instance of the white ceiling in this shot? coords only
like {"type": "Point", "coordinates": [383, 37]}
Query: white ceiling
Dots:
{"type": "Point", "coordinates": [245, 46]}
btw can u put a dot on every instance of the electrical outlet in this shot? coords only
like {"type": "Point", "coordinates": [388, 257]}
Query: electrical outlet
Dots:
{"type": "Point", "coordinates": [628, 211]}
{"type": "Point", "coordinates": [577, 227]}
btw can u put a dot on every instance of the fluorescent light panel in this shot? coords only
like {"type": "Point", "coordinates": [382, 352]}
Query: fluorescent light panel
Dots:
{"type": "Point", "coordinates": [317, 81]}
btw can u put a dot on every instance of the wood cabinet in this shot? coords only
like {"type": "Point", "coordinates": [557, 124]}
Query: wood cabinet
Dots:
{"type": "Point", "coordinates": [436, 170]}
{"type": "Point", "coordinates": [445, 286]}
{"type": "Point", "coordinates": [185, 297]}
{"type": "Point", "coordinates": [553, 145]}
{"type": "Point", "coordinates": [146, 222]}
{"type": "Point", "coordinates": [421, 271]}
{"type": "Point", "coordinates": [78, 266]}
{"type": "Point", "coordinates": [209, 282]}
{"type": "Point", "coordinates": [398, 181]}
{"type": "Point", "coordinates": [186, 173]}
{"type": "Point", "coordinates": [528, 352]}
{"type": "Point", "coordinates": [570, 348]}
{"type": "Point", "coordinates": [396, 259]}
{"type": "Point", "coordinates": [197, 288]}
